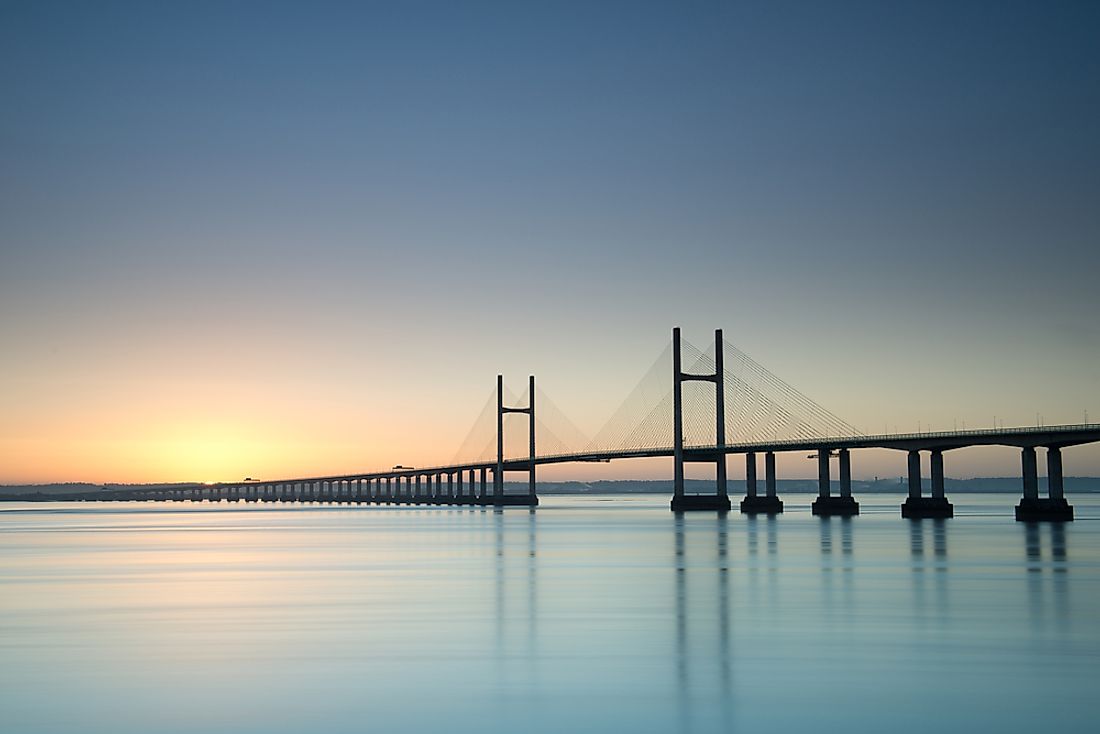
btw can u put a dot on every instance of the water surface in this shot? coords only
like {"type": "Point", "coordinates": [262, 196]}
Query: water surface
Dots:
{"type": "Point", "coordinates": [589, 614]}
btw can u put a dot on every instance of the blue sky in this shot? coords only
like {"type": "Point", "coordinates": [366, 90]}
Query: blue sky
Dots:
{"type": "Point", "coordinates": [309, 233]}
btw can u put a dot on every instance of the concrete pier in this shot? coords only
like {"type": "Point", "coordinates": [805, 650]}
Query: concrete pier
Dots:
{"type": "Point", "coordinates": [753, 503]}
{"type": "Point", "coordinates": [689, 502]}
{"type": "Point", "coordinates": [472, 499]}
{"type": "Point", "coordinates": [1053, 507]}
{"type": "Point", "coordinates": [827, 504]}
{"type": "Point", "coordinates": [916, 505]}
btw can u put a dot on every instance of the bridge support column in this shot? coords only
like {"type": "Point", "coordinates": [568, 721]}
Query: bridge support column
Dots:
{"type": "Point", "coordinates": [845, 473]}
{"type": "Point", "coordinates": [750, 475]}
{"type": "Point", "coordinates": [916, 505]}
{"type": "Point", "coordinates": [1055, 488]}
{"type": "Point", "coordinates": [720, 500]}
{"type": "Point", "coordinates": [1054, 506]}
{"type": "Point", "coordinates": [753, 503]}
{"type": "Point", "coordinates": [498, 475]}
{"type": "Point", "coordinates": [824, 482]}
{"type": "Point", "coordinates": [828, 504]}
{"type": "Point", "coordinates": [500, 498]}
{"type": "Point", "coordinates": [914, 474]}
{"type": "Point", "coordinates": [937, 475]}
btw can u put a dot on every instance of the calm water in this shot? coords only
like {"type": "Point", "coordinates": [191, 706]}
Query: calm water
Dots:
{"type": "Point", "coordinates": [591, 614]}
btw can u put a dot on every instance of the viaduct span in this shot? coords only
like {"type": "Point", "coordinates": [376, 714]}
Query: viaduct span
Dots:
{"type": "Point", "coordinates": [660, 427]}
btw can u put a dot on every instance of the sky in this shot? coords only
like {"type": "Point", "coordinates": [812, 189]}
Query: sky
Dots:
{"type": "Point", "coordinates": [282, 239]}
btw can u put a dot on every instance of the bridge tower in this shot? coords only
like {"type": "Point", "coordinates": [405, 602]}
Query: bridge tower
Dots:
{"type": "Point", "coordinates": [720, 499]}
{"type": "Point", "coordinates": [499, 497]}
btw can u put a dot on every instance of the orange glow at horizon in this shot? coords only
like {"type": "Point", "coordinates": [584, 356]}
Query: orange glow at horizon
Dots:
{"type": "Point", "coordinates": [155, 418]}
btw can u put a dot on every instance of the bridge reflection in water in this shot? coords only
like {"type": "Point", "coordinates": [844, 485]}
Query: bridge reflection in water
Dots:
{"type": "Point", "coordinates": [860, 598]}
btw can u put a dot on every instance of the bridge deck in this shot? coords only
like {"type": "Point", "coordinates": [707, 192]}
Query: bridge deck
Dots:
{"type": "Point", "coordinates": [1020, 437]}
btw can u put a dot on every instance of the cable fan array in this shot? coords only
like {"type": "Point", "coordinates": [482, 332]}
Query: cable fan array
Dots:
{"type": "Point", "coordinates": [759, 407]}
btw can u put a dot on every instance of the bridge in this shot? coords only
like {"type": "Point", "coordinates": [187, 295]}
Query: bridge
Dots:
{"type": "Point", "coordinates": [683, 414]}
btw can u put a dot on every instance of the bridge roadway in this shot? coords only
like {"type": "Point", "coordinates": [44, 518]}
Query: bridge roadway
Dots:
{"type": "Point", "coordinates": [467, 484]}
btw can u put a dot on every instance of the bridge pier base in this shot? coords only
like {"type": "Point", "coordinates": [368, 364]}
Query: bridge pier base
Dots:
{"type": "Point", "coordinates": [761, 505]}
{"type": "Point", "coordinates": [917, 506]}
{"type": "Point", "coordinates": [1053, 507]}
{"type": "Point", "coordinates": [828, 504]}
{"type": "Point", "coordinates": [515, 500]}
{"type": "Point", "coordinates": [1044, 508]}
{"type": "Point", "coordinates": [753, 504]}
{"type": "Point", "coordinates": [834, 505]}
{"type": "Point", "coordinates": [688, 502]}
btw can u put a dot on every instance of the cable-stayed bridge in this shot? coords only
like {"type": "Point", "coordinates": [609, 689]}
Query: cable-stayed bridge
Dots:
{"type": "Point", "coordinates": [695, 406]}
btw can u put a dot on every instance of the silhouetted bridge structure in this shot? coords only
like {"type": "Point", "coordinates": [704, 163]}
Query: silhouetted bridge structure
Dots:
{"type": "Point", "coordinates": [685, 419]}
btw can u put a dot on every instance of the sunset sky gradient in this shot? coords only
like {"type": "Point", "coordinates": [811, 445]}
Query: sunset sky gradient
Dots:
{"type": "Point", "coordinates": [275, 239]}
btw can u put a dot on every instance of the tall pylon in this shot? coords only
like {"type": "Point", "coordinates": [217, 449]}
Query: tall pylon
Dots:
{"type": "Point", "coordinates": [720, 499]}
{"type": "Point", "coordinates": [499, 497]}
